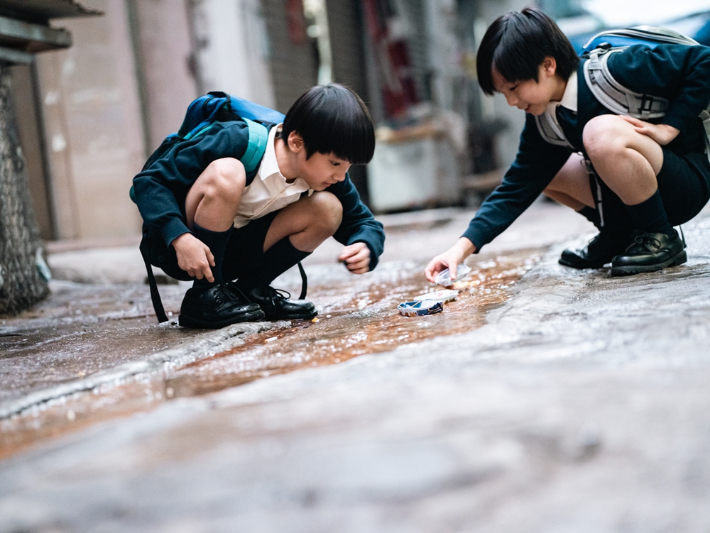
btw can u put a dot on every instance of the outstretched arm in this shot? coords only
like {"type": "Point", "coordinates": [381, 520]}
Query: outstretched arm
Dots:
{"type": "Point", "coordinates": [534, 167]}
{"type": "Point", "coordinates": [450, 259]}
{"type": "Point", "coordinates": [358, 227]}
{"type": "Point", "coordinates": [356, 258]}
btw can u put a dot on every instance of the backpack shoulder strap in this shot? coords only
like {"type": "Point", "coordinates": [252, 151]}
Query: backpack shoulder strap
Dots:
{"type": "Point", "coordinates": [258, 139]}
{"type": "Point", "coordinates": [614, 96]}
{"type": "Point", "coordinates": [550, 129]}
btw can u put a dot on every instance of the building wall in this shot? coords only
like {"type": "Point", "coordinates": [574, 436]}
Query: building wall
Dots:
{"type": "Point", "coordinates": [31, 141]}
{"type": "Point", "coordinates": [232, 50]}
{"type": "Point", "coordinates": [164, 64]}
{"type": "Point", "coordinates": [93, 125]}
{"type": "Point", "coordinates": [293, 59]}
{"type": "Point", "coordinates": [347, 32]}
{"type": "Point", "coordinates": [105, 103]}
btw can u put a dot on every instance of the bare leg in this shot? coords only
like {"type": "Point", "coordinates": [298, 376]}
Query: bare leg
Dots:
{"type": "Point", "coordinates": [307, 223]}
{"type": "Point", "coordinates": [627, 161]}
{"type": "Point", "coordinates": [213, 199]}
{"type": "Point", "coordinates": [210, 206]}
{"type": "Point", "coordinates": [295, 232]}
{"type": "Point", "coordinates": [570, 187]}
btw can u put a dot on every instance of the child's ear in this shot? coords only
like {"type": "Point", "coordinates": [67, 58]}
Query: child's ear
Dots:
{"type": "Point", "coordinates": [295, 142]}
{"type": "Point", "coordinates": [549, 65]}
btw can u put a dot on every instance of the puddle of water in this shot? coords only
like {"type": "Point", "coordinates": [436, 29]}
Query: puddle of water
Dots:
{"type": "Point", "coordinates": [367, 322]}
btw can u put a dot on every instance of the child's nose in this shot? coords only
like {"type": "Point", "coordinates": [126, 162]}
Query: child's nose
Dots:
{"type": "Point", "coordinates": [512, 99]}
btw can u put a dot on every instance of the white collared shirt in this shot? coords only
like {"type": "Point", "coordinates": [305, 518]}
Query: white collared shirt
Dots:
{"type": "Point", "coordinates": [269, 191]}
{"type": "Point", "coordinates": [569, 98]}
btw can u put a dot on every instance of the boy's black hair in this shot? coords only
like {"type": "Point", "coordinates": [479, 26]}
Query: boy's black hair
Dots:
{"type": "Point", "coordinates": [516, 44]}
{"type": "Point", "coordinates": [332, 119]}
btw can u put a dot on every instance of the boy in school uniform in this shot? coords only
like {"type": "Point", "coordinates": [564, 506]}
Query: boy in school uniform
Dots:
{"type": "Point", "coordinates": [633, 179]}
{"type": "Point", "coordinates": [208, 220]}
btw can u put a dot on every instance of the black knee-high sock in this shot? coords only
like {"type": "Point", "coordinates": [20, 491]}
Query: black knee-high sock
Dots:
{"type": "Point", "coordinates": [277, 260]}
{"type": "Point", "coordinates": [650, 215]}
{"type": "Point", "coordinates": [216, 241]}
{"type": "Point", "coordinates": [590, 214]}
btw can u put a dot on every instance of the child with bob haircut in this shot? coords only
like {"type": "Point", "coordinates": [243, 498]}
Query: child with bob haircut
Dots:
{"type": "Point", "coordinates": [633, 179]}
{"type": "Point", "coordinates": [207, 219]}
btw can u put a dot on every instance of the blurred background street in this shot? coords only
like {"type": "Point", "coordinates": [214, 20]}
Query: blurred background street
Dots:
{"type": "Point", "coordinates": [542, 399]}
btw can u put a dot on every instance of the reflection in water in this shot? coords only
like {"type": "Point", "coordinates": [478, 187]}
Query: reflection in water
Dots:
{"type": "Point", "coordinates": [369, 323]}
{"type": "Point", "coordinates": [366, 322]}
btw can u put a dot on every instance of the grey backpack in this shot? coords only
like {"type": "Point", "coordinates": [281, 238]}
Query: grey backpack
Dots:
{"type": "Point", "coordinates": [609, 92]}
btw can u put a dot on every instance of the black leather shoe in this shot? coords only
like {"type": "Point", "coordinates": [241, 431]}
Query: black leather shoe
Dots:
{"type": "Point", "coordinates": [276, 304]}
{"type": "Point", "coordinates": [600, 251]}
{"type": "Point", "coordinates": [215, 307]}
{"type": "Point", "coordinates": [650, 252]}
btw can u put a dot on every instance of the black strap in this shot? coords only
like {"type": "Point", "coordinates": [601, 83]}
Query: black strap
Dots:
{"type": "Point", "coordinates": [304, 281]}
{"type": "Point", "coordinates": [154, 294]}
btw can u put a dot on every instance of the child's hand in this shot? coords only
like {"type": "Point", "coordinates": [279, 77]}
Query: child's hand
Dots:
{"type": "Point", "coordinates": [450, 259]}
{"type": "Point", "coordinates": [356, 258]}
{"type": "Point", "coordinates": [194, 256]}
{"type": "Point", "coordinates": [661, 133]}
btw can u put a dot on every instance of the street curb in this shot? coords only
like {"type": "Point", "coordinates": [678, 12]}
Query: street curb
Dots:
{"type": "Point", "coordinates": [201, 347]}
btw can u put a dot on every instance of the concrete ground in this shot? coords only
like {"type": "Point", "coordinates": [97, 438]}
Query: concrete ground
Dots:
{"type": "Point", "coordinates": [580, 406]}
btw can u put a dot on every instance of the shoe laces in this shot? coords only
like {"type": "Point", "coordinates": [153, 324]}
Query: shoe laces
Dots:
{"type": "Point", "coordinates": [218, 295]}
{"type": "Point", "coordinates": [645, 239]}
{"type": "Point", "coordinates": [235, 293]}
{"type": "Point", "coordinates": [275, 296]}
{"type": "Point", "coordinates": [226, 293]}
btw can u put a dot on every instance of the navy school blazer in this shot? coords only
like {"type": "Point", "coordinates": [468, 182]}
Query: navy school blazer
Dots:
{"type": "Point", "coordinates": [679, 73]}
{"type": "Point", "coordinates": [161, 189]}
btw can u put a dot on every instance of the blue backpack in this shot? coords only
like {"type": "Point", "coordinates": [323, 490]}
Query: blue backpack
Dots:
{"type": "Point", "coordinates": [206, 110]}
{"type": "Point", "coordinates": [610, 93]}
{"type": "Point", "coordinates": [203, 113]}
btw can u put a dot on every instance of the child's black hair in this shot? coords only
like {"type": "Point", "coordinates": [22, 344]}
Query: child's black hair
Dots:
{"type": "Point", "coordinates": [516, 44]}
{"type": "Point", "coordinates": [332, 119]}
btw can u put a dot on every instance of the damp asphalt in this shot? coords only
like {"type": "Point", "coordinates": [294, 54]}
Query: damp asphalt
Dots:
{"type": "Point", "coordinates": [542, 399]}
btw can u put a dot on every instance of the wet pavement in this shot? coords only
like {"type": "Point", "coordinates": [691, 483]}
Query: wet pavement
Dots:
{"type": "Point", "coordinates": [355, 319]}
{"type": "Point", "coordinates": [91, 331]}
{"type": "Point", "coordinates": [559, 401]}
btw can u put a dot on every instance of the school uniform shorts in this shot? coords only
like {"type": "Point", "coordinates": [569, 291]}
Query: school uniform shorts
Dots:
{"type": "Point", "coordinates": [245, 251]}
{"type": "Point", "coordinates": [683, 183]}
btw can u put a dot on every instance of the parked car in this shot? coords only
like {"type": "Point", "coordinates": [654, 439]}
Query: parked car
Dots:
{"type": "Point", "coordinates": [696, 26]}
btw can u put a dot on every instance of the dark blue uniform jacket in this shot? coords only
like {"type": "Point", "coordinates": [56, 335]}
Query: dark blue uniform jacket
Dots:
{"type": "Point", "coordinates": [677, 72]}
{"type": "Point", "coordinates": [161, 189]}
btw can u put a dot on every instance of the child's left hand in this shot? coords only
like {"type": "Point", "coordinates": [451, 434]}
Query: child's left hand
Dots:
{"type": "Point", "coordinates": [356, 258]}
{"type": "Point", "coordinates": [661, 133]}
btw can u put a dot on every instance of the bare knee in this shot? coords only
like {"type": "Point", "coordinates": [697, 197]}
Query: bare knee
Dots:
{"type": "Point", "coordinates": [327, 212]}
{"type": "Point", "coordinates": [606, 137]}
{"type": "Point", "coordinates": [223, 179]}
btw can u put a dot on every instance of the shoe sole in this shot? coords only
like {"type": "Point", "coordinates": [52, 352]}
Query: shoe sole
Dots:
{"type": "Point", "coordinates": [678, 259]}
{"type": "Point", "coordinates": [190, 322]}
{"type": "Point", "coordinates": [569, 264]}
{"type": "Point", "coordinates": [294, 317]}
